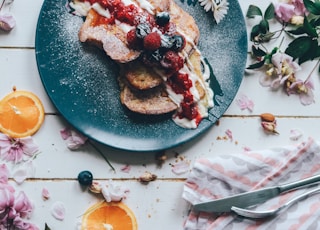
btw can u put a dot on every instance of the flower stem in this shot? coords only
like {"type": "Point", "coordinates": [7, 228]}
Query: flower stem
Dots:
{"type": "Point", "coordinates": [104, 157]}
{"type": "Point", "coordinates": [2, 4]}
{"type": "Point", "coordinates": [313, 69]}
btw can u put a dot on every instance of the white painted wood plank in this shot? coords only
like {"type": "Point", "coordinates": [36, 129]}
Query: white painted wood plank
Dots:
{"type": "Point", "coordinates": [26, 14]}
{"type": "Point", "coordinates": [157, 205]}
{"type": "Point", "coordinates": [57, 161]}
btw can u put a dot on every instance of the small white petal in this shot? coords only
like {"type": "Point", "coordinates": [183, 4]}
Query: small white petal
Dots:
{"type": "Point", "coordinates": [295, 134]}
{"type": "Point", "coordinates": [58, 210]}
{"type": "Point", "coordinates": [181, 167]}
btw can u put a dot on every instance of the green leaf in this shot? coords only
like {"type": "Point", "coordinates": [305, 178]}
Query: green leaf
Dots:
{"type": "Point", "coordinates": [299, 47]}
{"type": "Point", "coordinates": [266, 37]}
{"type": "Point", "coordinates": [269, 13]}
{"type": "Point", "coordinates": [298, 31]}
{"type": "Point", "coordinates": [312, 7]}
{"type": "Point", "coordinates": [264, 26]}
{"type": "Point", "coordinates": [255, 31]}
{"type": "Point", "coordinates": [309, 29]}
{"type": "Point", "coordinates": [312, 53]}
{"type": "Point", "coordinates": [47, 227]}
{"type": "Point", "coordinates": [257, 52]}
{"type": "Point", "coordinates": [253, 11]}
{"type": "Point", "coordinates": [256, 65]}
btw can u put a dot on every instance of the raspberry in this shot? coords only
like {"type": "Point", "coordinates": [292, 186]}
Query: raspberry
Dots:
{"type": "Point", "coordinates": [172, 61]}
{"type": "Point", "coordinates": [133, 41]}
{"type": "Point", "coordinates": [152, 41]}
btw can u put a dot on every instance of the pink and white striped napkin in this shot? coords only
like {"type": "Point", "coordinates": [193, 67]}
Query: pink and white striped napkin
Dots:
{"type": "Point", "coordinates": [225, 175]}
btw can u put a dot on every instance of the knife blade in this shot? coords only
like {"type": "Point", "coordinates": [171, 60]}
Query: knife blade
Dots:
{"type": "Point", "coordinates": [251, 198]}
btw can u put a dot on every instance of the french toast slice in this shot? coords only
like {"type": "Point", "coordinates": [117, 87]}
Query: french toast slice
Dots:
{"type": "Point", "coordinates": [112, 37]}
{"type": "Point", "coordinates": [141, 77]}
{"type": "Point", "coordinates": [154, 101]}
{"type": "Point", "coordinates": [109, 37]}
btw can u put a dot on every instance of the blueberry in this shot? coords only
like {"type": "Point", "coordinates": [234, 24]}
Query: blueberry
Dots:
{"type": "Point", "coordinates": [85, 178]}
{"type": "Point", "coordinates": [142, 30]}
{"type": "Point", "coordinates": [178, 42]}
{"type": "Point", "coordinates": [162, 18]}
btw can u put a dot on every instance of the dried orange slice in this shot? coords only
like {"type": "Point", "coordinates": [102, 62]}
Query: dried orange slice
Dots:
{"type": "Point", "coordinates": [21, 114]}
{"type": "Point", "coordinates": [111, 215]}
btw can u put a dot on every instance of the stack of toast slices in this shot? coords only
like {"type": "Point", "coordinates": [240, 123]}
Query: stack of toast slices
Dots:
{"type": "Point", "coordinates": [143, 89]}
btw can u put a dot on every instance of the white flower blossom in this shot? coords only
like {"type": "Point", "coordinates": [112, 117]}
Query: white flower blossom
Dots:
{"type": "Point", "coordinates": [219, 8]}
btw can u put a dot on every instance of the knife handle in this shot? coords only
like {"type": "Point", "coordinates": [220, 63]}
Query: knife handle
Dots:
{"type": "Point", "coordinates": [298, 184]}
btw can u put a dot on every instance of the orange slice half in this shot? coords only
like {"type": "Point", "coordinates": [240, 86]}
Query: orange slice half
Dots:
{"type": "Point", "coordinates": [111, 215]}
{"type": "Point", "coordinates": [21, 114]}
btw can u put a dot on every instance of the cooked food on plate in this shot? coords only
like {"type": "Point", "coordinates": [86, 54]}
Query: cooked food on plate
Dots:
{"type": "Point", "coordinates": [155, 44]}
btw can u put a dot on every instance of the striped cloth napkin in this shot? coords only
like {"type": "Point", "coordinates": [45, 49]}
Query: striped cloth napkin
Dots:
{"type": "Point", "coordinates": [225, 175]}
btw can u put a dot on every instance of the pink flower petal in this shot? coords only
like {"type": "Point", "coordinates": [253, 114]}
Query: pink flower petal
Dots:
{"type": "Point", "coordinates": [23, 205]}
{"type": "Point", "coordinates": [45, 194]}
{"type": "Point", "coordinates": [295, 134]}
{"type": "Point", "coordinates": [25, 171]}
{"type": "Point", "coordinates": [65, 133]}
{"type": "Point", "coordinates": [245, 103]}
{"type": "Point", "coordinates": [74, 140]}
{"type": "Point", "coordinates": [181, 167]}
{"type": "Point", "coordinates": [7, 22]}
{"type": "Point", "coordinates": [29, 146]}
{"type": "Point", "coordinates": [229, 134]}
{"type": "Point", "coordinates": [284, 11]}
{"type": "Point", "coordinates": [4, 174]}
{"type": "Point", "coordinates": [126, 168]}
{"type": "Point", "coordinates": [58, 210]}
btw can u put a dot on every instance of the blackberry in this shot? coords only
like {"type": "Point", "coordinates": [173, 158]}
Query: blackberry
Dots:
{"type": "Point", "coordinates": [142, 30]}
{"type": "Point", "coordinates": [152, 58]}
{"type": "Point", "coordinates": [178, 42]}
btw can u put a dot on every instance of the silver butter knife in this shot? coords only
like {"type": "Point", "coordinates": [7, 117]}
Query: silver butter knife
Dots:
{"type": "Point", "coordinates": [248, 199]}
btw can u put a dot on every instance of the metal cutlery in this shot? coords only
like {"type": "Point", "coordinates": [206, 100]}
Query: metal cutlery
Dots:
{"type": "Point", "coordinates": [257, 214]}
{"type": "Point", "coordinates": [248, 199]}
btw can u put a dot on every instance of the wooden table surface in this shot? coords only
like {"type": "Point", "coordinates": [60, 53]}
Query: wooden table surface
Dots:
{"type": "Point", "coordinates": [157, 205]}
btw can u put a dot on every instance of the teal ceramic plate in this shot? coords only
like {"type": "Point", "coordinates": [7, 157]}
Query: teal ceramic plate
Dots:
{"type": "Point", "coordinates": [82, 82]}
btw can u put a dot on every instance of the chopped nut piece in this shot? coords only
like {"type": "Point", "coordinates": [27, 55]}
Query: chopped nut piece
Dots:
{"type": "Point", "coordinates": [267, 117]}
{"type": "Point", "coordinates": [147, 177]}
{"type": "Point", "coordinates": [161, 157]}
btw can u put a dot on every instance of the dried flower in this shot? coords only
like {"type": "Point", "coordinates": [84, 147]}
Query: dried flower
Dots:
{"type": "Point", "coordinates": [269, 127]}
{"type": "Point", "coordinates": [146, 177]}
{"type": "Point", "coordinates": [17, 149]}
{"type": "Point", "coordinates": [290, 11]}
{"type": "Point", "coordinates": [7, 22]}
{"type": "Point", "coordinates": [283, 66]}
{"type": "Point", "coordinates": [95, 187]}
{"type": "Point", "coordinates": [219, 8]}
{"type": "Point", "coordinates": [303, 88]}
{"type": "Point", "coordinates": [13, 208]}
